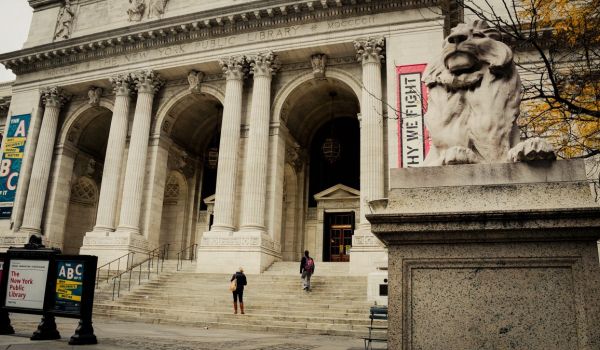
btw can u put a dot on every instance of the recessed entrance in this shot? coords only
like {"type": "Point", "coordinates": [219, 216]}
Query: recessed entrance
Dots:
{"type": "Point", "coordinates": [338, 231]}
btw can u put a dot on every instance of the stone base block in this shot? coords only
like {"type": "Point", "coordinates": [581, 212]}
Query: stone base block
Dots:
{"type": "Point", "coordinates": [495, 262]}
{"type": "Point", "coordinates": [14, 239]}
{"type": "Point", "coordinates": [377, 283]}
{"type": "Point", "coordinates": [367, 254]}
{"type": "Point", "coordinates": [108, 246]}
{"type": "Point", "coordinates": [226, 252]}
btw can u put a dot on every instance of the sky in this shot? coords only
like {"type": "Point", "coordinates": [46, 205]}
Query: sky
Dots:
{"type": "Point", "coordinates": [15, 17]}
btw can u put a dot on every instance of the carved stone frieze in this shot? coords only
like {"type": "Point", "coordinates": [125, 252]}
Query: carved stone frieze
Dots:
{"type": "Point", "coordinates": [263, 64]}
{"type": "Point", "coordinates": [195, 78]}
{"type": "Point", "coordinates": [64, 23]}
{"type": "Point", "coordinates": [113, 44]}
{"type": "Point", "coordinates": [234, 67]}
{"type": "Point", "coordinates": [370, 50]}
{"type": "Point", "coordinates": [94, 94]}
{"type": "Point", "coordinates": [147, 81]}
{"type": "Point", "coordinates": [319, 62]}
{"type": "Point", "coordinates": [136, 10]}
{"type": "Point", "coordinates": [54, 97]}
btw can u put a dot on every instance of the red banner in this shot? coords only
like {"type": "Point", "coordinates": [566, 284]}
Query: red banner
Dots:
{"type": "Point", "coordinates": [413, 139]}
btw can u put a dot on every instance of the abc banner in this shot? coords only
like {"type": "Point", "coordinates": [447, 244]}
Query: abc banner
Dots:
{"type": "Point", "coordinates": [12, 157]}
{"type": "Point", "coordinates": [413, 140]}
{"type": "Point", "coordinates": [69, 286]}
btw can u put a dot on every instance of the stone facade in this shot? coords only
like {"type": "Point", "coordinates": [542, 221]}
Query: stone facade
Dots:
{"type": "Point", "coordinates": [148, 90]}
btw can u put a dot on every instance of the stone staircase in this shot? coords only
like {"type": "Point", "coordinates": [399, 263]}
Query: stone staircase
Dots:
{"type": "Point", "coordinates": [274, 301]}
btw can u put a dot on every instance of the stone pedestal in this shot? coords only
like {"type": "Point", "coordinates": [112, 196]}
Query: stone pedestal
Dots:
{"type": "Point", "coordinates": [108, 246]}
{"type": "Point", "coordinates": [492, 256]}
{"type": "Point", "coordinates": [225, 252]}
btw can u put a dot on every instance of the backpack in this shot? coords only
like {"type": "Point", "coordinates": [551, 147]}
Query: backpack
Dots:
{"type": "Point", "coordinates": [310, 265]}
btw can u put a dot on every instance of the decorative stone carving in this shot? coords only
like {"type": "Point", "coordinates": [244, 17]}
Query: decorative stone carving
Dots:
{"type": "Point", "coordinates": [318, 61]}
{"type": "Point", "coordinates": [265, 64]}
{"type": "Point", "coordinates": [94, 94]}
{"type": "Point", "coordinates": [235, 67]}
{"type": "Point", "coordinates": [474, 100]}
{"type": "Point", "coordinates": [194, 79]}
{"type": "Point", "coordinates": [84, 191]}
{"type": "Point", "coordinates": [91, 167]}
{"type": "Point", "coordinates": [136, 10]}
{"type": "Point", "coordinates": [54, 97]}
{"type": "Point", "coordinates": [121, 84]}
{"type": "Point", "coordinates": [294, 156]}
{"type": "Point", "coordinates": [64, 23]}
{"type": "Point", "coordinates": [147, 81]}
{"type": "Point", "coordinates": [4, 105]}
{"type": "Point", "coordinates": [157, 8]}
{"type": "Point", "coordinates": [370, 50]}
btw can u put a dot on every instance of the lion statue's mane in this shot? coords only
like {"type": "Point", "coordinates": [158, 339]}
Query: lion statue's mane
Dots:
{"type": "Point", "coordinates": [474, 99]}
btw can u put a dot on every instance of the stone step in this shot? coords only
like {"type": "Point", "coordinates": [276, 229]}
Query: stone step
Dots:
{"type": "Point", "coordinates": [274, 302]}
{"type": "Point", "coordinates": [240, 323]}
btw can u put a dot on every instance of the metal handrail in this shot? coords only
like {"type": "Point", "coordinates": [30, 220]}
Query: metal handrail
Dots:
{"type": "Point", "coordinates": [118, 261]}
{"type": "Point", "coordinates": [192, 255]}
{"type": "Point", "coordinates": [149, 262]}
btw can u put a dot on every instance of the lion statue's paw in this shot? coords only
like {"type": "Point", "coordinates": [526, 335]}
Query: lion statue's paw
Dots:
{"type": "Point", "coordinates": [459, 155]}
{"type": "Point", "coordinates": [531, 149]}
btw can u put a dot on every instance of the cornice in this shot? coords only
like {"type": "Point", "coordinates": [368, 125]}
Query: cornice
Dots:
{"type": "Point", "coordinates": [42, 4]}
{"type": "Point", "coordinates": [199, 26]}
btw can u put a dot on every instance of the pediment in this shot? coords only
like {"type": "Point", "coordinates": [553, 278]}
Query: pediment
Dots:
{"type": "Point", "coordinates": [337, 192]}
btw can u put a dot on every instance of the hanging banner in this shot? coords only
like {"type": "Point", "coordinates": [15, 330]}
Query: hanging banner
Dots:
{"type": "Point", "coordinates": [413, 140]}
{"type": "Point", "coordinates": [10, 165]}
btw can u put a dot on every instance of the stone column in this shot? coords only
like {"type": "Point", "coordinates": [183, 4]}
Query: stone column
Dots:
{"type": "Point", "coordinates": [53, 99]}
{"type": "Point", "coordinates": [109, 191]}
{"type": "Point", "coordinates": [147, 84]}
{"type": "Point", "coordinates": [234, 71]}
{"type": "Point", "coordinates": [263, 66]}
{"type": "Point", "coordinates": [372, 183]}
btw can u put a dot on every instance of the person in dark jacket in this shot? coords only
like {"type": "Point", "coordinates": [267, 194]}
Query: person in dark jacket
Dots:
{"type": "Point", "coordinates": [307, 268]}
{"type": "Point", "coordinates": [238, 293]}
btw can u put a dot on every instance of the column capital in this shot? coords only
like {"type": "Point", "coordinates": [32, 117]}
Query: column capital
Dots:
{"type": "Point", "coordinates": [54, 97]}
{"type": "Point", "coordinates": [370, 50]}
{"type": "Point", "coordinates": [146, 81]}
{"type": "Point", "coordinates": [121, 84]}
{"type": "Point", "coordinates": [234, 67]}
{"type": "Point", "coordinates": [264, 64]}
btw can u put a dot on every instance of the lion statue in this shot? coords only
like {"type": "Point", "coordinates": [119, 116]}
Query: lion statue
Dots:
{"type": "Point", "coordinates": [474, 99]}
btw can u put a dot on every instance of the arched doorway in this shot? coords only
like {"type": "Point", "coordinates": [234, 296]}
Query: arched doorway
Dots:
{"type": "Point", "coordinates": [87, 138]}
{"type": "Point", "coordinates": [193, 128]}
{"type": "Point", "coordinates": [326, 125]}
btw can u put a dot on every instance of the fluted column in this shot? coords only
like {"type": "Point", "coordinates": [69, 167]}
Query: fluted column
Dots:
{"type": "Point", "coordinates": [263, 66]}
{"type": "Point", "coordinates": [109, 191]}
{"type": "Point", "coordinates": [372, 183]}
{"type": "Point", "coordinates": [234, 71]}
{"type": "Point", "coordinates": [53, 99]}
{"type": "Point", "coordinates": [147, 84]}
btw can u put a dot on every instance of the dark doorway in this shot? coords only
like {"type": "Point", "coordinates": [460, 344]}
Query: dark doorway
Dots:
{"type": "Point", "coordinates": [337, 236]}
{"type": "Point", "coordinates": [345, 170]}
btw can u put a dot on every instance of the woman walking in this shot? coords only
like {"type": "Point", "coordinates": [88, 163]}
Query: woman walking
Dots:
{"type": "Point", "coordinates": [238, 292]}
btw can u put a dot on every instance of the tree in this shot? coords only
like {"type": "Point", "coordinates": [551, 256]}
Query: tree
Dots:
{"type": "Point", "coordinates": [558, 45]}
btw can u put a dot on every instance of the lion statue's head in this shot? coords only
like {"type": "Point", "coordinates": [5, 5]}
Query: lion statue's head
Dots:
{"type": "Point", "coordinates": [474, 98]}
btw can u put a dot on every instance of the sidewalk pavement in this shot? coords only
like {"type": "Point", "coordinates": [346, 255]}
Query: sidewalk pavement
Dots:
{"type": "Point", "coordinates": [113, 335]}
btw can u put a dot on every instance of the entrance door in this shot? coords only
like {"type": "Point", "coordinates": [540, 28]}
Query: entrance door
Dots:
{"type": "Point", "coordinates": [338, 236]}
